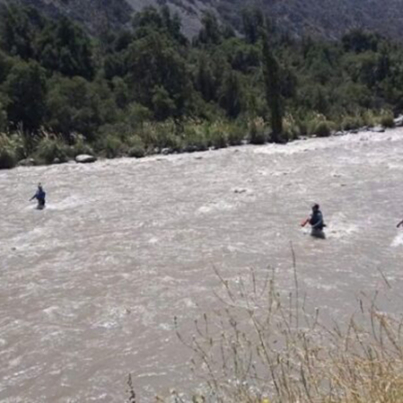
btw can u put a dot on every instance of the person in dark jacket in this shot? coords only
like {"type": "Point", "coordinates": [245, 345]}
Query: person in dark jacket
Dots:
{"type": "Point", "coordinates": [316, 222]}
{"type": "Point", "coordinates": [40, 196]}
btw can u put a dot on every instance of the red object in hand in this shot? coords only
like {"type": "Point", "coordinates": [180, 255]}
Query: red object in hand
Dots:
{"type": "Point", "coordinates": [305, 222]}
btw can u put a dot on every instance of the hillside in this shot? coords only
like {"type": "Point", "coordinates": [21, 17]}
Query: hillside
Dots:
{"type": "Point", "coordinates": [327, 18]}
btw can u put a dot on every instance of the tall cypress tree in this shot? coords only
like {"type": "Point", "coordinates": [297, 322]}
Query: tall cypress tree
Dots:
{"type": "Point", "coordinates": [271, 73]}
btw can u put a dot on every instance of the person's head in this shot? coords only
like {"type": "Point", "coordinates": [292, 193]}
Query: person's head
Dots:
{"type": "Point", "coordinates": [315, 207]}
{"type": "Point", "coordinates": [39, 185]}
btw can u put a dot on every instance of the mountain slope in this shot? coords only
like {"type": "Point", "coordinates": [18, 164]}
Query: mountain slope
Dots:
{"type": "Point", "coordinates": [95, 15]}
{"type": "Point", "coordinates": [325, 18]}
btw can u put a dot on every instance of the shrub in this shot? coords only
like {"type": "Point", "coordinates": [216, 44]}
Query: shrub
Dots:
{"type": "Point", "coordinates": [166, 136]}
{"type": "Point", "coordinates": [7, 153]}
{"type": "Point", "coordinates": [236, 135]}
{"type": "Point", "coordinates": [323, 129]}
{"type": "Point", "coordinates": [302, 127]}
{"type": "Point", "coordinates": [113, 147]}
{"type": "Point", "coordinates": [136, 147]}
{"type": "Point", "coordinates": [118, 130]}
{"type": "Point", "coordinates": [50, 149]}
{"type": "Point", "coordinates": [291, 130]}
{"type": "Point", "coordinates": [219, 140]}
{"type": "Point", "coordinates": [217, 136]}
{"type": "Point", "coordinates": [194, 138]}
{"type": "Point", "coordinates": [352, 122]}
{"type": "Point", "coordinates": [174, 142]}
{"type": "Point", "coordinates": [369, 118]}
{"type": "Point", "coordinates": [320, 127]}
{"type": "Point", "coordinates": [20, 144]}
{"type": "Point", "coordinates": [149, 135]}
{"type": "Point", "coordinates": [257, 134]}
{"type": "Point", "coordinates": [387, 120]}
{"type": "Point", "coordinates": [80, 147]}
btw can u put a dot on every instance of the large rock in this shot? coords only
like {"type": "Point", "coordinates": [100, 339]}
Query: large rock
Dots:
{"type": "Point", "coordinates": [399, 121]}
{"type": "Point", "coordinates": [85, 159]}
{"type": "Point", "coordinates": [29, 162]}
{"type": "Point", "coordinates": [378, 129]}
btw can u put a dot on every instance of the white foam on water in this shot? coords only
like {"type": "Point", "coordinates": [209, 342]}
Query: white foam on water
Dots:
{"type": "Point", "coordinates": [71, 202]}
{"type": "Point", "coordinates": [397, 241]}
{"type": "Point", "coordinates": [112, 318]}
{"type": "Point", "coordinates": [340, 227]}
{"type": "Point", "coordinates": [217, 206]}
{"type": "Point", "coordinates": [342, 231]}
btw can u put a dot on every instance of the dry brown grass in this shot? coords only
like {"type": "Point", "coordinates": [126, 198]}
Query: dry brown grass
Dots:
{"type": "Point", "coordinates": [263, 346]}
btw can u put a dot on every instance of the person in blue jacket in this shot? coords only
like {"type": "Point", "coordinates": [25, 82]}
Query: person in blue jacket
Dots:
{"type": "Point", "coordinates": [40, 196]}
{"type": "Point", "coordinates": [316, 221]}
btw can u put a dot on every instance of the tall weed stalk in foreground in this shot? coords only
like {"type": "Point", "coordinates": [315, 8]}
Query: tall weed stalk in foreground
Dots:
{"type": "Point", "coordinates": [262, 346]}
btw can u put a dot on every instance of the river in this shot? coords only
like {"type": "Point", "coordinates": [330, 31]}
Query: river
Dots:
{"type": "Point", "coordinates": [91, 285]}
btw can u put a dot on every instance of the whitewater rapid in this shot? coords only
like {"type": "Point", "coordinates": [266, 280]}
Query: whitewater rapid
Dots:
{"type": "Point", "coordinates": [91, 285]}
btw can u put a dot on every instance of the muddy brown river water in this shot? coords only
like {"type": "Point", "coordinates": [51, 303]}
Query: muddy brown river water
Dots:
{"type": "Point", "coordinates": [89, 287]}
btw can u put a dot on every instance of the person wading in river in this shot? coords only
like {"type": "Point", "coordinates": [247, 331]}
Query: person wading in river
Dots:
{"type": "Point", "coordinates": [40, 195]}
{"type": "Point", "coordinates": [316, 222]}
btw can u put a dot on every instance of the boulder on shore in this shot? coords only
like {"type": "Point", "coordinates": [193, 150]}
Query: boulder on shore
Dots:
{"type": "Point", "coordinates": [399, 121]}
{"type": "Point", "coordinates": [85, 159]}
{"type": "Point", "coordinates": [378, 129]}
{"type": "Point", "coordinates": [29, 162]}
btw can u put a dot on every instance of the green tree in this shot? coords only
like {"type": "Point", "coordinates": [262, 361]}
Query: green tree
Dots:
{"type": "Point", "coordinates": [272, 86]}
{"type": "Point", "coordinates": [19, 27]}
{"type": "Point", "coordinates": [231, 94]}
{"type": "Point", "coordinates": [163, 105]}
{"type": "Point", "coordinates": [242, 56]}
{"type": "Point", "coordinates": [252, 22]}
{"type": "Point", "coordinates": [64, 47]}
{"type": "Point", "coordinates": [150, 19]}
{"type": "Point", "coordinates": [25, 88]}
{"type": "Point", "coordinates": [205, 81]}
{"type": "Point", "coordinates": [154, 62]}
{"type": "Point", "coordinates": [210, 33]}
{"type": "Point", "coordinates": [76, 105]}
{"type": "Point", "coordinates": [115, 65]}
{"type": "Point", "coordinates": [359, 41]}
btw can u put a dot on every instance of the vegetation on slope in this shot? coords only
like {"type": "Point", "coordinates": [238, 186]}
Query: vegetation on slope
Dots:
{"type": "Point", "coordinates": [325, 19]}
{"type": "Point", "coordinates": [148, 89]}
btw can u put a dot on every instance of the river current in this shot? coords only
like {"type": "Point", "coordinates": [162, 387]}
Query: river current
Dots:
{"type": "Point", "coordinates": [90, 286]}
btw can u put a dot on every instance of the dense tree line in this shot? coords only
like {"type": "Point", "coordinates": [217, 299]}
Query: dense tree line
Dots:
{"type": "Point", "coordinates": [149, 88]}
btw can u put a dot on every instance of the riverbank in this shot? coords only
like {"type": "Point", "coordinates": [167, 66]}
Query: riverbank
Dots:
{"type": "Point", "coordinates": [51, 150]}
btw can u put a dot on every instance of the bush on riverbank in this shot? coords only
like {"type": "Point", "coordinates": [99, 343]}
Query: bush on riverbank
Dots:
{"type": "Point", "coordinates": [136, 147]}
{"type": "Point", "coordinates": [353, 123]}
{"type": "Point", "coordinates": [387, 120]}
{"type": "Point", "coordinates": [320, 127]}
{"type": "Point", "coordinates": [257, 131]}
{"type": "Point", "coordinates": [8, 157]}
{"type": "Point", "coordinates": [52, 150]}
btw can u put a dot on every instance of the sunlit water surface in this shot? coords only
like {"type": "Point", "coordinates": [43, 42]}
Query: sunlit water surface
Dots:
{"type": "Point", "coordinates": [90, 286]}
